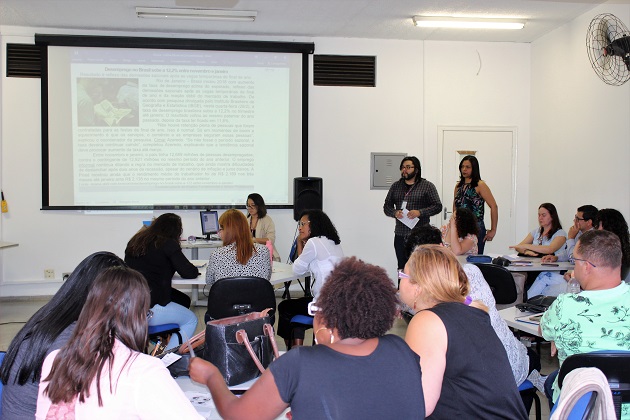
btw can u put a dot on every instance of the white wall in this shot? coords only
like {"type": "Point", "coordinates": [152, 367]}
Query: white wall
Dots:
{"type": "Point", "coordinates": [580, 142]}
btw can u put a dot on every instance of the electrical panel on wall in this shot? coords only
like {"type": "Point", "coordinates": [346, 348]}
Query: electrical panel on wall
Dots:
{"type": "Point", "coordinates": [384, 169]}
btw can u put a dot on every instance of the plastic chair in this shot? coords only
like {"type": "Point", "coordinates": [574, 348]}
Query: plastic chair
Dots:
{"type": "Point", "coordinates": [2, 353]}
{"type": "Point", "coordinates": [614, 364]}
{"type": "Point", "coordinates": [161, 334]}
{"type": "Point", "coordinates": [501, 283]}
{"type": "Point", "coordinates": [527, 391]}
{"type": "Point", "coordinates": [583, 407]}
{"type": "Point", "coordinates": [240, 295]}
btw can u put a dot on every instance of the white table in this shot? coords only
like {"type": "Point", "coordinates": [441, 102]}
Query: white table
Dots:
{"type": "Point", "coordinates": [199, 243]}
{"type": "Point", "coordinates": [280, 272]}
{"type": "Point", "coordinates": [536, 264]}
{"type": "Point", "coordinates": [510, 316]}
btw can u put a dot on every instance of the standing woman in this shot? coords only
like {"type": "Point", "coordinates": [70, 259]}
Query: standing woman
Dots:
{"type": "Point", "coordinates": [239, 255]}
{"type": "Point", "coordinates": [49, 329]}
{"type": "Point", "coordinates": [549, 238]}
{"type": "Point", "coordinates": [262, 226]}
{"type": "Point", "coordinates": [318, 250]}
{"type": "Point", "coordinates": [101, 372]}
{"type": "Point", "coordinates": [156, 253]}
{"type": "Point", "coordinates": [473, 193]}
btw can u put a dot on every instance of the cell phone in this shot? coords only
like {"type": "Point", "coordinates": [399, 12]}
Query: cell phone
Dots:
{"type": "Point", "coordinates": [550, 264]}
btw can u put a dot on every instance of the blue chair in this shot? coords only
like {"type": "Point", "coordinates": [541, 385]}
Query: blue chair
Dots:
{"type": "Point", "coordinates": [583, 407]}
{"type": "Point", "coordinates": [160, 336]}
{"type": "Point", "coordinates": [528, 391]}
{"type": "Point", "coordinates": [2, 353]}
{"type": "Point", "coordinates": [302, 321]}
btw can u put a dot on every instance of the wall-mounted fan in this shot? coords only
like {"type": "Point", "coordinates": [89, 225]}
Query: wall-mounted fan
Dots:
{"type": "Point", "coordinates": [608, 46]}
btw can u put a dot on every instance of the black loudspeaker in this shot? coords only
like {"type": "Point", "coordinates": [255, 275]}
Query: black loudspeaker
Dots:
{"type": "Point", "coordinates": [307, 195]}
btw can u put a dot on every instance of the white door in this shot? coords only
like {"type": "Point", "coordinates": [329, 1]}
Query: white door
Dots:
{"type": "Point", "coordinates": [495, 149]}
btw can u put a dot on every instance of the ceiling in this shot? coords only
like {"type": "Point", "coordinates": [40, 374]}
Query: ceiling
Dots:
{"type": "Point", "coordinates": [380, 19]}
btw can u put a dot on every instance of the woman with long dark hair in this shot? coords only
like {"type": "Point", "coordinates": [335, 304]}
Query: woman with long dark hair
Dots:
{"type": "Point", "coordinates": [101, 372]}
{"type": "Point", "coordinates": [49, 329]}
{"type": "Point", "coordinates": [473, 193]}
{"type": "Point", "coordinates": [548, 238]}
{"type": "Point", "coordinates": [239, 255]}
{"type": "Point", "coordinates": [613, 221]}
{"type": "Point", "coordinates": [318, 250]}
{"type": "Point", "coordinates": [260, 223]}
{"type": "Point", "coordinates": [157, 254]}
{"type": "Point", "coordinates": [356, 370]}
{"type": "Point", "coordinates": [460, 233]}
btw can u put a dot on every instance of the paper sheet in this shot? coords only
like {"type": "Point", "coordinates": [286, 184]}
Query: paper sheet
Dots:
{"type": "Point", "coordinates": [410, 223]}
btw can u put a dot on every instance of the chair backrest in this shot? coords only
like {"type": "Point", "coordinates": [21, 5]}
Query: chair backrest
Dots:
{"type": "Point", "coordinates": [240, 295]}
{"type": "Point", "coordinates": [2, 353]}
{"type": "Point", "coordinates": [500, 281]}
{"type": "Point", "coordinates": [615, 365]}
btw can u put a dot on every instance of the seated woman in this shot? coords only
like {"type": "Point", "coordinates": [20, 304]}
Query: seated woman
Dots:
{"type": "Point", "coordinates": [157, 254]}
{"type": "Point", "coordinates": [49, 329]}
{"type": "Point", "coordinates": [260, 223]}
{"type": "Point", "coordinates": [318, 250]}
{"type": "Point", "coordinates": [548, 239]}
{"type": "Point", "coordinates": [613, 221]}
{"type": "Point", "coordinates": [460, 233]}
{"type": "Point", "coordinates": [472, 378]}
{"type": "Point", "coordinates": [355, 371]}
{"type": "Point", "coordinates": [239, 255]}
{"type": "Point", "coordinates": [101, 371]}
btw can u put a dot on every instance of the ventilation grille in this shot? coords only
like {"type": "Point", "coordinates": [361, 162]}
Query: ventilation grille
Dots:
{"type": "Point", "coordinates": [24, 60]}
{"type": "Point", "coordinates": [344, 70]}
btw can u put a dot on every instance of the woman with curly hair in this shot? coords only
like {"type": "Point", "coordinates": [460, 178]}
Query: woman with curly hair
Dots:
{"type": "Point", "coordinates": [318, 249]}
{"type": "Point", "coordinates": [460, 234]}
{"type": "Point", "coordinates": [464, 366]}
{"type": "Point", "coordinates": [355, 370]}
{"type": "Point", "coordinates": [101, 372]}
{"type": "Point", "coordinates": [613, 221]}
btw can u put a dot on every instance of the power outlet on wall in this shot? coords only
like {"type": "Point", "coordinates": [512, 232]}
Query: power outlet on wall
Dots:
{"type": "Point", "coordinates": [49, 273]}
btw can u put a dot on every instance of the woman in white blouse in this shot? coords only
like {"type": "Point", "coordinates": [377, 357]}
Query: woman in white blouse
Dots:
{"type": "Point", "coordinates": [318, 250]}
{"type": "Point", "coordinates": [260, 223]}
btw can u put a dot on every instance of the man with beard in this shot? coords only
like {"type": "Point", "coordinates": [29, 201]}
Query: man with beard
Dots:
{"type": "Point", "coordinates": [411, 200]}
{"type": "Point", "coordinates": [597, 318]}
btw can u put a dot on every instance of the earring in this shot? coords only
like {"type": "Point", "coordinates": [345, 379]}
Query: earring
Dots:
{"type": "Point", "coordinates": [317, 332]}
{"type": "Point", "coordinates": [332, 337]}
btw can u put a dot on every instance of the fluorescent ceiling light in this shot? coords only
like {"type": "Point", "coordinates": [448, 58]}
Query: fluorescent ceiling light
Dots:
{"type": "Point", "coordinates": [189, 13]}
{"type": "Point", "coordinates": [467, 23]}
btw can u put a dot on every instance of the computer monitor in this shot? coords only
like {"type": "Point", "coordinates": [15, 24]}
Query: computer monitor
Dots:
{"type": "Point", "coordinates": [209, 222]}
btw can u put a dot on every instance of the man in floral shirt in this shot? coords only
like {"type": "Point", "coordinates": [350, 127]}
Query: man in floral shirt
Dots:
{"type": "Point", "coordinates": [598, 318]}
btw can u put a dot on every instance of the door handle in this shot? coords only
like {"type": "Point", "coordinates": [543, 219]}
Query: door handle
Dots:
{"type": "Point", "coordinates": [446, 213]}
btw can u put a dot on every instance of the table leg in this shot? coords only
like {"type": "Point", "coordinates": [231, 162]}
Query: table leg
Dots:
{"type": "Point", "coordinates": [194, 253]}
{"type": "Point", "coordinates": [195, 294]}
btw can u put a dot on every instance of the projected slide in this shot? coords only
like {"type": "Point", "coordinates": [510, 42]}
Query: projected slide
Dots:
{"type": "Point", "coordinates": [130, 127]}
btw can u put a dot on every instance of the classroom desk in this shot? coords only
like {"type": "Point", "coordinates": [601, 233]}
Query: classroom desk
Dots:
{"type": "Point", "coordinates": [510, 314]}
{"type": "Point", "coordinates": [536, 264]}
{"type": "Point", "coordinates": [280, 273]}
{"type": "Point", "coordinates": [199, 243]}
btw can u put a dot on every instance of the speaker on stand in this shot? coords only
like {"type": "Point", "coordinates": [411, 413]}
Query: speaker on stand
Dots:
{"type": "Point", "coordinates": [307, 195]}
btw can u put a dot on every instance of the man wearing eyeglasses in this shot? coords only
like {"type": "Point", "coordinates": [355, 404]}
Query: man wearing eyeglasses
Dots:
{"type": "Point", "coordinates": [597, 318]}
{"type": "Point", "coordinates": [411, 200]}
{"type": "Point", "coordinates": [582, 222]}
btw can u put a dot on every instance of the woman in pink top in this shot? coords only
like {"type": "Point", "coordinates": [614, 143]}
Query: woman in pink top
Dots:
{"type": "Point", "coordinates": [460, 233]}
{"type": "Point", "coordinates": [101, 373]}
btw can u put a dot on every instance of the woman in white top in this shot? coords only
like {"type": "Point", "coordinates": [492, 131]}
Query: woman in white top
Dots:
{"type": "Point", "coordinates": [318, 250]}
{"type": "Point", "coordinates": [101, 372]}
{"type": "Point", "coordinates": [260, 223]}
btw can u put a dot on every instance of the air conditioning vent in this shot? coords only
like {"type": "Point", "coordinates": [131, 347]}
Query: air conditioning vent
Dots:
{"type": "Point", "coordinates": [24, 60]}
{"type": "Point", "coordinates": [344, 70]}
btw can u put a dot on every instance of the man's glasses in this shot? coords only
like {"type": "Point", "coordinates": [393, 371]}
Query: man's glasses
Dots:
{"type": "Point", "coordinates": [579, 218]}
{"type": "Point", "coordinates": [407, 167]}
{"type": "Point", "coordinates": [572, 260]}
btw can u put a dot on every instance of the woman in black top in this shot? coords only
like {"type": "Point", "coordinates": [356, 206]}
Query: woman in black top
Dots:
{"type": "Point", "coordinates": [157, 254]}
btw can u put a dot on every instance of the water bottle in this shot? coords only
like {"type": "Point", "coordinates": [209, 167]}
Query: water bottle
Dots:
{"type": "Point", "coordinates": [573, 286]}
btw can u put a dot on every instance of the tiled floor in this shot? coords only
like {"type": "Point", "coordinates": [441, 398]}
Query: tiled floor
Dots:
{"type": "Point", "coordinates": [14, 312]}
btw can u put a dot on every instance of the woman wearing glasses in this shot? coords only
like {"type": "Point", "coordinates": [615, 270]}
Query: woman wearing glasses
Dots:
{"type": "Point", "coordinates": [318, 250]}
{"type": "Point", "coordinates": [355, 371]}
{"type": "Point", "coordinates": [465, 369]}
{"type": "Point", "coordinates": [239, 255]}
{"type": "Point", "coordinates": [260, 223]}
{"type": "Point", "coordinates": [101, 372]}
